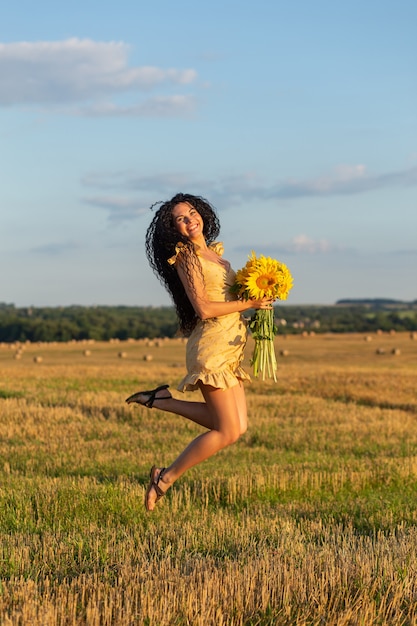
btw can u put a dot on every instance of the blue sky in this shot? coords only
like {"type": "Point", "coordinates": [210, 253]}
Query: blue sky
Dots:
{"type": "Point", "coordinates": [298, 121]}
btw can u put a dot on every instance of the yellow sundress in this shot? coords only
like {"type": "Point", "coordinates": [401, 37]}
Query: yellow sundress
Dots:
{"type": "Point", "coordinates": [215, 348]}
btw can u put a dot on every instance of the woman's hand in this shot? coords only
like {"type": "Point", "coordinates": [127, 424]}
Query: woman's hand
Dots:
{"type": "Point", "coordinates": [261, 303]}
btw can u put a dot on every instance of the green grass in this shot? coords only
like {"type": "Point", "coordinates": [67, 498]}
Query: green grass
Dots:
{"type": "Point", "coordinates": [309, 519]}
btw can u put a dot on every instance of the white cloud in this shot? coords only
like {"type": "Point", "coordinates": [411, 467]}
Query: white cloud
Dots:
{"type": "Point", "coordinates": [226, 192]}
{"type": "Point", "coordinates": [343, 180]}
{"type": "Point", "coordinates": [56, 249]}
{"type": "Point", "coordinates": [304, 244]}
{"type": "Point", "coordinates": [82, 70]}
{"type": "Point", "coordinates": [161, 106]}
{"type": "Point", "coordinates": [300, 244]}
{"type": "Point", "coordinates": [120, 208]}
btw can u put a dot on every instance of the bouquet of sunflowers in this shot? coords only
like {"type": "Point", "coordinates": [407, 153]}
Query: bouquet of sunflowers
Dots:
{"type": "Point", "coordinates": [263, 277]}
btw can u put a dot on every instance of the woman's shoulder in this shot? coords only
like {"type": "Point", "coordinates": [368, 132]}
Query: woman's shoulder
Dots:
{"type": "Point", "coordinates": [217, 247]}
{"type": "Point", "coordinates": [181, 250]}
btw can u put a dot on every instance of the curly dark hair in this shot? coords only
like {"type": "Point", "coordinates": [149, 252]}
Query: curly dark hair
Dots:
{"type": "Point", "coordinates": [162, 237]}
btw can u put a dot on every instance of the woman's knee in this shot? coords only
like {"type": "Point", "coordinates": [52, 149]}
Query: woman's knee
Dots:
{"type": "Point", "coordinates": [231, 435]}
{"type": "Point", "coordinates": [232, 432]}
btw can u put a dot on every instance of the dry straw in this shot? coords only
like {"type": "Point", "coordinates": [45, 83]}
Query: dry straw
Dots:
{"type": "Point", "coordinates": [309, 519]}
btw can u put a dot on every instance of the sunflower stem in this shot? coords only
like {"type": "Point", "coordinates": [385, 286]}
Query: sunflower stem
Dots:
{"type": "Point", "coordinates": [263, 359]}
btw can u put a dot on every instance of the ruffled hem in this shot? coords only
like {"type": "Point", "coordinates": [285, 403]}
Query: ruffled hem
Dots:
{"type": "Point", "coordinates": [224, 379]}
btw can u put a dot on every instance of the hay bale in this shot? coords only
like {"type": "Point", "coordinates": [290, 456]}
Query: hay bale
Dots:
{"type": "Point", "coordinates": [147, 357]}
{"type": "Point", "coordinates": [284, 352]}
{"type": "Point", "coordinates": [87, 353]}
{"type": "Point", "coordinates": [368, 338]}
{"type": "Point", "coordinates": [122, 355]}
{"type": "Point", "coordinates": [396, 351]}
{"type": "Point", "coordinates": [37, 359]}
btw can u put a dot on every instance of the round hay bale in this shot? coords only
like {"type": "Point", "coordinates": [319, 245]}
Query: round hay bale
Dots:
{"type": "Point", "coordinates": [413, 336]}
{"type": "Point", "coordinates": [368, 338]}
{"type": "Point", "coordinates": [87, 353]}
{"type": "Point", "coordinates": [147, 357]}
{"type": "Point", "coordinates": [37, 359]}
{"type": "Point", "coordinates": [380, 351]}
{"type": "Point", "coordinates": [122, 355]}
{"type": "Point", "coordinates": [396, 351]}
{"type": "Point", "coordinates": [18, 355]}
{"type": "Point", "coordinates": [284, 352]}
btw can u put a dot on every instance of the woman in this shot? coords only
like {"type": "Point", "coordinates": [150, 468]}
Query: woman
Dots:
{"type": "Point", "coordinates": [181, 250]}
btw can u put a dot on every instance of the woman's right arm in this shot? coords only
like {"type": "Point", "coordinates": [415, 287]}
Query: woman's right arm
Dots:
{"type": "Point", "coordinates": [206, 308]}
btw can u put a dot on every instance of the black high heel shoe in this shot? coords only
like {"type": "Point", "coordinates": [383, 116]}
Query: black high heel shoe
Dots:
{"type": "Point", "coordinates": [152, 396]}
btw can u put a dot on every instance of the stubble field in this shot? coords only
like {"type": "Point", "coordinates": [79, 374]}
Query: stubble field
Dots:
{"type": "Point", "coordinates": [310, 519]}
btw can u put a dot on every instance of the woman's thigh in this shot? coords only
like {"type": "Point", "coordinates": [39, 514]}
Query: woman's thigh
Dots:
{"type": "Point", "coordinates": [227, 407]}
{"type": "Point", "coordinates": [240, 398]}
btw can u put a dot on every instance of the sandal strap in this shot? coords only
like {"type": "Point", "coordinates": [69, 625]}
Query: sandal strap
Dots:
{"type": "Point", "coordinates": [152, 394]}
{"type": "Point", "coordinates": [159, 492]}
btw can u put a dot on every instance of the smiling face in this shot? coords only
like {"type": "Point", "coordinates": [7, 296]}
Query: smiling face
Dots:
{"type": "Point", "coordinates": [188, 221]}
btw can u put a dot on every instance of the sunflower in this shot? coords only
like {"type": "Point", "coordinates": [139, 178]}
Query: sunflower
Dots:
{"type": "Point", "coordinates": [285, 282]}
{"type": "Point", "coordinates": [263, 277]}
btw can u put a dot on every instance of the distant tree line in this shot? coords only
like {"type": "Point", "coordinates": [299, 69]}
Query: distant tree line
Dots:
{"type": "Point", "coordinates": [102, 323]}
{"type": "Point", "coordinates": [348, 317]}
{"type": "Point", "coordinates": [76, 322]}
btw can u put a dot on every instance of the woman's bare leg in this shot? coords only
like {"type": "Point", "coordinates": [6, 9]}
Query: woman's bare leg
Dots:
{"type": "Point", "coordinates": [198, 412]}
{"type": "Point", "coordinates": [227, 411]}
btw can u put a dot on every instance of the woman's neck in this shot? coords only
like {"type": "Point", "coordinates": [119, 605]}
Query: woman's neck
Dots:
{"type": "Point", "coordinates": [200, 243]}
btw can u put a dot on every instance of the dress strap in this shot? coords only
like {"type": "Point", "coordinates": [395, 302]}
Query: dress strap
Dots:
{"type": "Point", "coordinates": [180, 248]}
{"type": "Point", "coordinates": [217, 247]}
